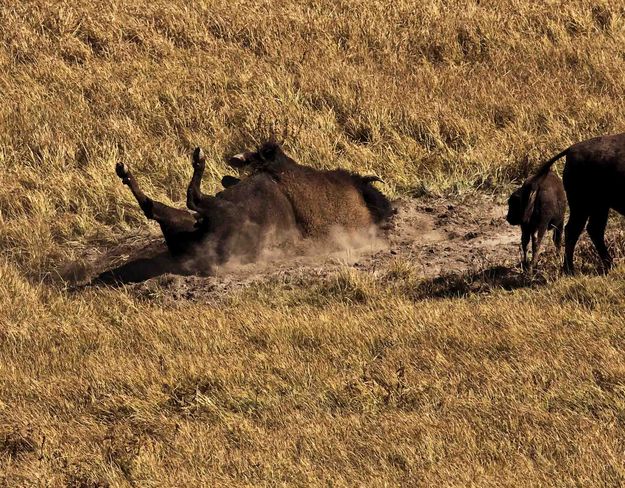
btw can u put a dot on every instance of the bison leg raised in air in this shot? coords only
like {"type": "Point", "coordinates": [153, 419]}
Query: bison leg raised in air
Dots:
{"type": "Point", "coordinates": [177, 225]}
{"type": "Point", "coordinates": [196, 200]}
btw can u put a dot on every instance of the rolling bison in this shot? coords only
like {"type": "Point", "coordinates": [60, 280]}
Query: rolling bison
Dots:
{"type": "Point", "coordinates": [320, 199]}
{"type": "Point", "coordinates": [594, 180]}
{"type": "Point", "coordinates": [279, 201]}
{"type": "Point", "coordinates": [538, 206]}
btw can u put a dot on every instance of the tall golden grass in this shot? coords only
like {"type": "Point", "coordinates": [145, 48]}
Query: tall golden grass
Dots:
{"type": "Point", "coordinates": [350, 382]}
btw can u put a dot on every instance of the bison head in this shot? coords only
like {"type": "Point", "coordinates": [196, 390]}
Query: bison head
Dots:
{"type": "Point", "coordinates": [514, 208]}
{"type": "Point", "coordinates": [268, 155]}
{"type": "Point", "coordinates": [521, 204]}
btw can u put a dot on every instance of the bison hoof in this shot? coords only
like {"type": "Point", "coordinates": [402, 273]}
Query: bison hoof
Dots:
{"type": "Point", "coordinates": [122, 171]}
{"type": "Point", "coordinates": [568, 268]}
{"type": "Point", "coordinates": [228, 181]}
{"type": "Point", "coordinates": [198, 158]}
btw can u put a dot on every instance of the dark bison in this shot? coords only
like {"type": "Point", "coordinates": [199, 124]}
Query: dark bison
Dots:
{"type": "Point", "coordinates": [538, 206]}
{"type": "Point", "coordinates": [279, 201]}
{"type": "Point", "coordinates": [594, 180]}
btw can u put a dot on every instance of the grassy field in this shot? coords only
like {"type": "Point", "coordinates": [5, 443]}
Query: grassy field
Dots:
{"type": "Point", "coordinates": [351, 381]}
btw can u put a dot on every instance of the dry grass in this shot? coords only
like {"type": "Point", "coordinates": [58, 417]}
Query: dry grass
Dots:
{"type": "Point", "coordinates": [360, 380]}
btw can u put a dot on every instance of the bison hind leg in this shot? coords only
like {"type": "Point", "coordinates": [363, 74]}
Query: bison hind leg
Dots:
{"type": "Point", "coordinates": [196, 200]}
{"type": "Point", "coordinates": [128, 179]}
{"type": "Point", "coordinates": [558, 230]}
{"type": "Point", "coordinates": [199, 160]}
{"type": "Point", "coordinates": [596, 230]}
{"type": "Point", "coordinates": [572, 231]}
{"type": "Point", "coordinates": [177, 225]}
{"type": "Point", "coordinates": [537, 239]}
{"type": "Point", "coordinates": [123, 172]}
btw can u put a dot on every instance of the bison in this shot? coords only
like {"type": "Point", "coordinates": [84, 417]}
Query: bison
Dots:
{"type": "Point", "coordinates": [279, 201]}
{"type": "Point", "coordinates": [594, 181]}
{"type": "Point", "coordinates": [320, 199]}
{"type": "Point", "coordinates": [538, 206]}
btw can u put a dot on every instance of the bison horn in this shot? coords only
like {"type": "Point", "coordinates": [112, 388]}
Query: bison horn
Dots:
{"type": "Point", "coordinates": [238, 160]}
{"type": "Point", "coordinates": [372, 179]}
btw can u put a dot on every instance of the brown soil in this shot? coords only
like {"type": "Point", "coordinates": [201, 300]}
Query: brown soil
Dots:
{"type": "Point", "coordinates": [436, 236]}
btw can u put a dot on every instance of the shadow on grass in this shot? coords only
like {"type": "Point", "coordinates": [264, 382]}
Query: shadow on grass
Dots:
{"type": "Point", "coordinates": [125, 264]}
{"type": "Point", "coordinates": [135, 270]}
{"type": "Point", "coordinates": [458, 285]}
{"type": "Point", "coordinates": [502, 277]}
{"type": "Point", "coordinates": [141, 269]}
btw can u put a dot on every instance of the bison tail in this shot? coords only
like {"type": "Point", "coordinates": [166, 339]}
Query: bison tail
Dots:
{"type": "Point", "coordinates": [529, 201]}
{"type": "Point", "coordinates": [546, 166]}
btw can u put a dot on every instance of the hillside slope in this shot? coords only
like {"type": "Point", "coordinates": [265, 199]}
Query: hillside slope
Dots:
{"type": "Point", "coordinates": [342, 379]}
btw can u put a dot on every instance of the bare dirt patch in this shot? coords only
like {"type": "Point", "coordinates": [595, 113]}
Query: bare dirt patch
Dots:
{"type": "Point", "coordinates": [437, 236]}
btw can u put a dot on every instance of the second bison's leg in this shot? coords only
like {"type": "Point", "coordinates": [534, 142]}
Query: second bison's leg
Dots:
{"type": "Point", "coordinates": [537, 240]}
{"type": "Point", "coordinates": [178, 225]}
{"type": "Point", "coordinates": [525, 239]}
{"type": "Point", "coordinates": [196, 200]}
{"type": "Point", "coordinates": [596, 230]}
{"type": "Point", "coordinates": [574, 227]}
{"type": "Point", "coordinates": [557, 236]}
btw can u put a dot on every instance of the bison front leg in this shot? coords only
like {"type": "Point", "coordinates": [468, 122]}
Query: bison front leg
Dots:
{"type": "Point", "coordinates": [525, 239]}
{"type": "Point", "coordinates": [196, 200]}
{"type": "Point", "coordinates": [177, 225]}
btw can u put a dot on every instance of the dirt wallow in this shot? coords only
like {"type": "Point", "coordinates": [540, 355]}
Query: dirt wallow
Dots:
{"type": "Point", "coordinates": [280, 205]}
{"type": "Point", "coordinates": [435, 236]}
{"type": "Point", "coordinates": [455, 245]}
